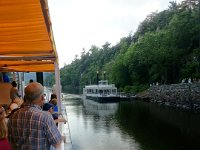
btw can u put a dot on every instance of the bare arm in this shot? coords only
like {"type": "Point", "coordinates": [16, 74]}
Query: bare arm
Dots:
{"type": "Point", "coordinates": [57, 145]}
{"type": "Point", "coordinates": [60, 120]}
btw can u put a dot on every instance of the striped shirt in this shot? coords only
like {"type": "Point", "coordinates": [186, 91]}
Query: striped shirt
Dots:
{"type": "Point", "coordinates": [30, 128]}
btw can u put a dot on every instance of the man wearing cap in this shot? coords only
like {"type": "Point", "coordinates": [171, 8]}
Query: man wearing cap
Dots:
{"type": "Point", "coordinates": [30, 127]}
{"type": "Point", "coordinates": [49, 107]}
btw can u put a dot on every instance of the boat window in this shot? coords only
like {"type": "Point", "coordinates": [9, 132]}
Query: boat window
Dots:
{"type": "Point", "coordinates": [106, 91]}
{"type": "Point", "coordinates": [114, 91]}
{"type": "Point", "coordinates": [100, 91]}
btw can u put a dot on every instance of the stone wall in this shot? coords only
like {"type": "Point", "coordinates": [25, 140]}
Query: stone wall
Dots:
{"type": "Point", "coordinates": [184, 95]}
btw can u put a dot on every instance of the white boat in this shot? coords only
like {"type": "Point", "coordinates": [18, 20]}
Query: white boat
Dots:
{"type": "Point", "coordinates": [102, 92]}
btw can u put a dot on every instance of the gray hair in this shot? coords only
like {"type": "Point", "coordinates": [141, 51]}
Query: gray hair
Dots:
{"type": "Point", "coordinates": [33, 91]}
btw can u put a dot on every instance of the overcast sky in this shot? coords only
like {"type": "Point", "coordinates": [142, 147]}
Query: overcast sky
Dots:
{"type": "Point", "coordinates": [79, 24]}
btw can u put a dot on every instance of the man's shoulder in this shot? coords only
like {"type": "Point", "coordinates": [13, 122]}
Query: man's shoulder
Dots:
{"type": "Point", "coordinates": [40, 118]}
{"type": "Point", "coordinates": [24, 112]}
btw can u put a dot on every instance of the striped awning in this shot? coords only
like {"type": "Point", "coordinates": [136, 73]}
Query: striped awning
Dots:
{"type": "Point", "coordinates": [26, 39]}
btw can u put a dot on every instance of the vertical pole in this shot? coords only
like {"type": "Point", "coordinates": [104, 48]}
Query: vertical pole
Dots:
{"type": "Point", "coordinates": [58, 86]}
{"type": "Point", "coordinates": [97, 77]}
{"type": "Point", "coordinates": [104, 75]}
{"type": "Point", "coordinates": [20, 86]}
{"type": "Point", "coordinates": [39, 77]}
{"type": "Point", "coordinates": [14, 76]}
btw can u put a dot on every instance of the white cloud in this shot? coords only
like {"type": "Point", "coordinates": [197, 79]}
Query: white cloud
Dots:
{"type": "Point", "coordinates": [78, 24]}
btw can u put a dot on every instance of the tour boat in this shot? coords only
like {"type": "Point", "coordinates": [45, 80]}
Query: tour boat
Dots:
{"type": "Point", "coordinates": [102, 92]}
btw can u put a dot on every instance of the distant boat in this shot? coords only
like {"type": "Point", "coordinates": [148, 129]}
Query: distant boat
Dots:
{"type": "Point", "coordinates": [103, 92]}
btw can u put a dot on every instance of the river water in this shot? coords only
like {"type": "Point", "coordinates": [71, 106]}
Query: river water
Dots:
{"type": "Point", "coordinates": [130, 125]}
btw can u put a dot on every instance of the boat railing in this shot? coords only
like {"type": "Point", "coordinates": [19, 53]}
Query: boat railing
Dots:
{"type": "Point", "coordinates": [109, 85]}
{"type": "Point", "coordinates": [63, 127]}
{"type": "Point", "coordinates": [65, 132]}
{"type": "Point", "coordinates": [100, 86]}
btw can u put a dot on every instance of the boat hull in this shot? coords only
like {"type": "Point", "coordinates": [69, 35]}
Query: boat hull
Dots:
{"type": "Point", "coordinates": [104, 99]}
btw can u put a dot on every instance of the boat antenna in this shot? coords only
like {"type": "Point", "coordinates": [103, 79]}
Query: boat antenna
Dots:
{"type": "Point", "coordinates": [97, 77]}
{"type": "Point", "coordinates": [104, 75]}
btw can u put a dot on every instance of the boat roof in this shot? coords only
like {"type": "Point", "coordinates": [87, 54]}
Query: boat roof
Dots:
{"type": "Point", "coordinates": [26, 37]}
{"type": "Point", "coordinates": [110, 86]}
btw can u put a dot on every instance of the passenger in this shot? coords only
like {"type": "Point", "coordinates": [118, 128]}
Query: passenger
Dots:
{"type": "Point", "coordinates": [4, 144]}
{"type": "Point", "coordinates": [15, 98]}
{"type": "Point", "coordinates": [30, 127]}
{"type": "Point", "coordinates": [53, 96]}
{"type": "Point", "coordinates": [54, 101]}
{"type": "Point", "coordinates": [5, 78]}
{"type": "Point", "coordinates": [14, 93]}
{"type": "Point", "coordinates": [55, 106]}
{"type": "Point", "coordinates": [49, 107]}
{"type": "Point", "coordinates": [31, 80]}
{"type": "Point", "coordinates": [45, 98]}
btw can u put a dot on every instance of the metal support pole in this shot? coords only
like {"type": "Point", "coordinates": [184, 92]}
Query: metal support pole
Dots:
{"type": "Point", "coordinates": [39, 77]}
{"type": "Point", "coordinates": [58, 86]}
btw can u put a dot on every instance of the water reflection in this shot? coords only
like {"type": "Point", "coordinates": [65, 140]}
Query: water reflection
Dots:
{"type": "Point", "coordinates": [159, 128]}
{"type": "Point", "coordinates": [131, 126]}
{"type": "Point", "coordinates": [100, 109]}
{"type": "Point", "coordinates": [93, 126]}
{"type": "Point", "coordinates": [102, 115]}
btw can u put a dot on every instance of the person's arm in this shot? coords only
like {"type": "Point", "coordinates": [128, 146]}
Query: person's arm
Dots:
{"type": "Point", "coordinates": [60, 120]}
{"type": "Point", "coordinates": [57, 145]}
{"type": "Point", "coordinates": [18, 94]}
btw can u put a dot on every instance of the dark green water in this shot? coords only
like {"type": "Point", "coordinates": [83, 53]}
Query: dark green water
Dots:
{"type": "Point", "coordinates": [130, 125]}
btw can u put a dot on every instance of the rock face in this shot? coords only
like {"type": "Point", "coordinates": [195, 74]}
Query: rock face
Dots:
{"type": "Point", "coordinates": [184, 95]}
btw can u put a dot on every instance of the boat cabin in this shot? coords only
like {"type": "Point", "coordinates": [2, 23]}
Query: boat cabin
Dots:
{"type": "Point", "coordinates": [103, 88]}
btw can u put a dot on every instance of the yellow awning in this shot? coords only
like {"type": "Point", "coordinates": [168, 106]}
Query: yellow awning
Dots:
{"type": "Point", "coordinates": [26, 39]}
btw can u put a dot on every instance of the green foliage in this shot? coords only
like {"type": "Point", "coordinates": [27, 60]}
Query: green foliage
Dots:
{"type": "Point", "coordinates": [192, 67]}
{"type": "Point", "coordinates": [135, 89]}
{"type": "Point", "coordinates": [49, 80]}
{"type": "Point", "coordinates": [164, 49]}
